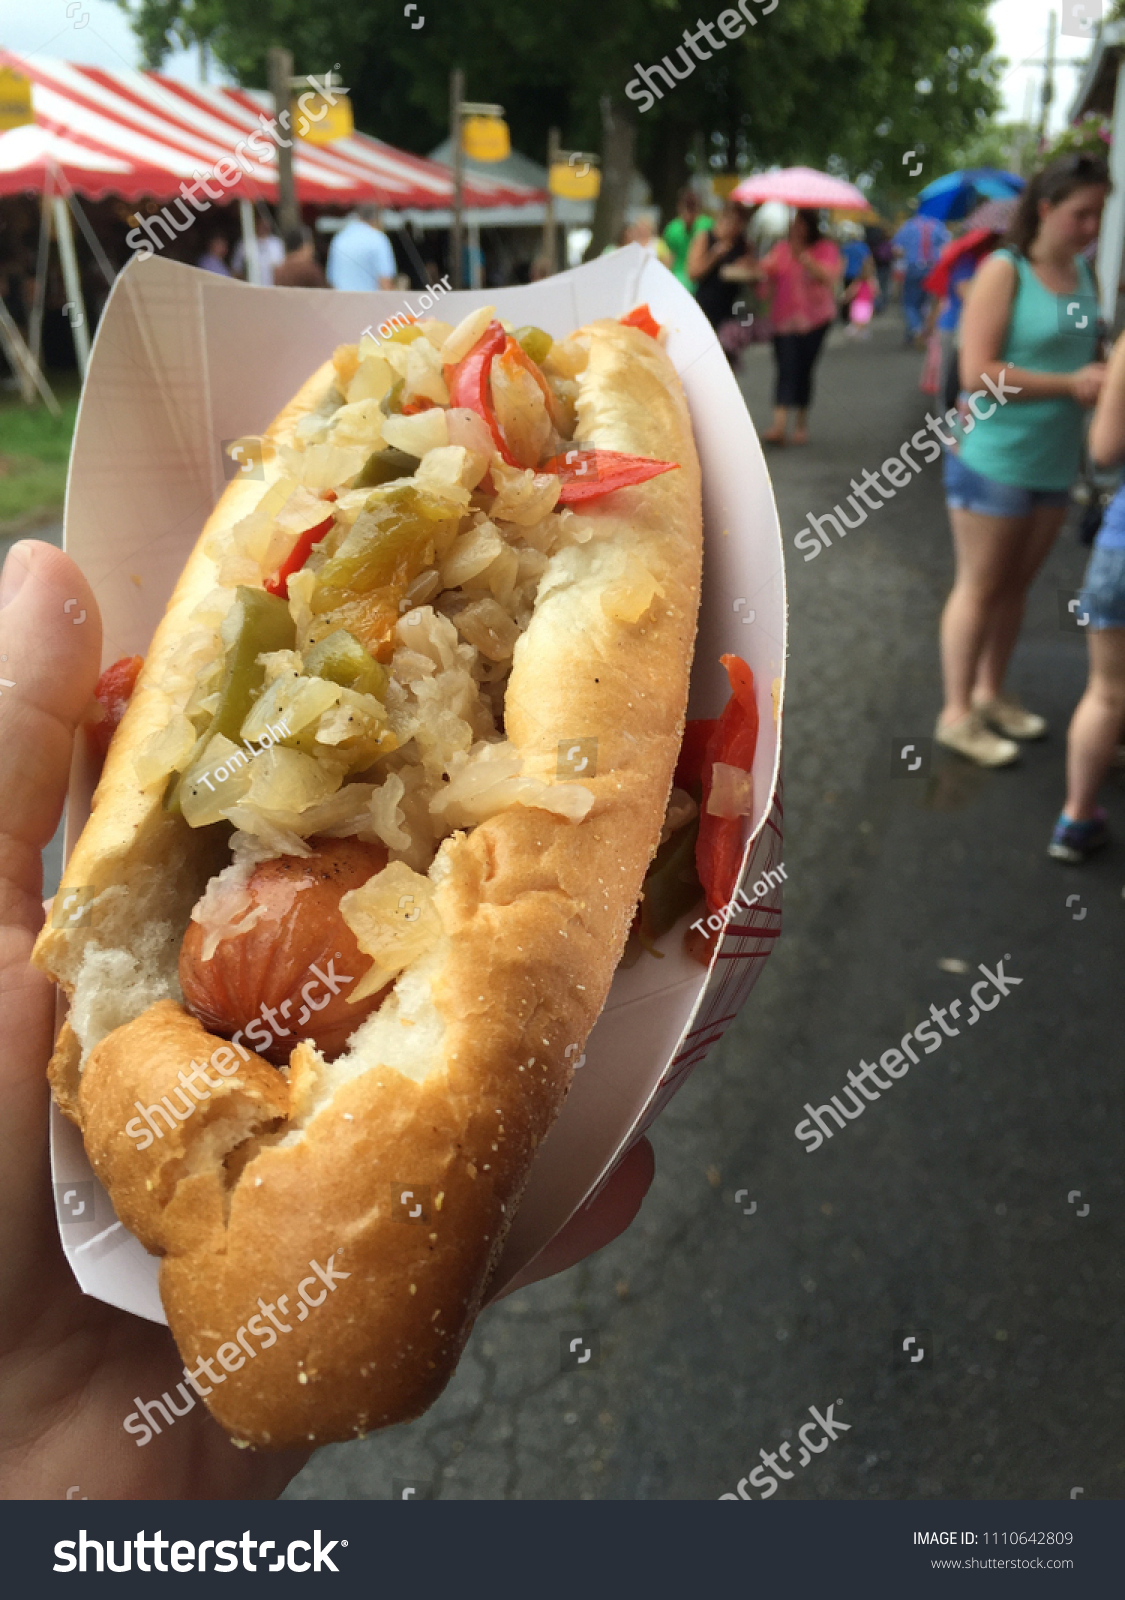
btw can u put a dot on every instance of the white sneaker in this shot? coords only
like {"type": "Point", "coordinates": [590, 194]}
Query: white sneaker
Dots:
{"type": "Point", "coordinates": [972, 737]}
{"type": "Point", "coordinates": [1012, 719]}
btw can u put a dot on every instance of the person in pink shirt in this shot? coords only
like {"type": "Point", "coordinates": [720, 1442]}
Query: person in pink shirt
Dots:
{"type": "Point", "coordinates": [804, 271]}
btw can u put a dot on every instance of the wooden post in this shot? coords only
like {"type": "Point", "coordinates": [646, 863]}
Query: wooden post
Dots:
{"type": "Point", "coordinates": [250, 242]}
{"type": "Point", "coordinates": [550, 230]}
{"type": "Point", "coordinates": [280, 70]}
{"type": "Point", "coordinates": [456, 95]}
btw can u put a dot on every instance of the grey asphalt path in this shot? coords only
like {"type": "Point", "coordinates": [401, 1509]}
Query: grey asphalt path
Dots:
{"type": "Point", "coordinates": [943, 1210]}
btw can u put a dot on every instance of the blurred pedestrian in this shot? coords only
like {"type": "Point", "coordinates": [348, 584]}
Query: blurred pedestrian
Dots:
{"type": "Point", "coordinates": [805, 271]}
{"type": "Point", "coordinates": [1099, 720]}
{"type": "Point", "coordinates": [641, 232]}
{"type": "Point", "coordinates": [860, 297]}
{"type": "Point", "coordinates": [360, 255]}
{"type": "Point", "coordinates": [300, 268]}
{"type": "Point", "coordinates": [689, 220]}
{"type": "Point", "coordinates": [883, 252]}
{"type": "Point", "coordinates": [1030, 367]}
{"type": "Point", "coordinates": [855, 252]}
{"type": "Point", "coordinates": [949, 283]}
{"type": "Point", "coordinates": [214, 258]}
{"type": "Point", "coordinates": [918, 244]}
{"type": "Point", "coordinates": [721, 261]}
{"type": "Point", "coordinates": [271, 251]}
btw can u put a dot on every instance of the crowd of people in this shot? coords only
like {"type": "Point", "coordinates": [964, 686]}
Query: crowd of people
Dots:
{"type": "Point", "coordinates": [989, 302]}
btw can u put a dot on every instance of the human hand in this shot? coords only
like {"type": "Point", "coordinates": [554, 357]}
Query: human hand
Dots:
{"type": "Point", "coordinates": [71, 1367]}
{"type": "Point", "coordinates": [1086, 383]}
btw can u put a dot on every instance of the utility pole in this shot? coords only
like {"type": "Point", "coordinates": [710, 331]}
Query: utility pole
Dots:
{"type": "Point", "coordinates": [1048, 77]}
{"type": "Point", "coordinates": [550, 232]}
{"type": "Point", "coordinates": [280, 71]}
{"type": "Point", "coordinates": [456, 98]}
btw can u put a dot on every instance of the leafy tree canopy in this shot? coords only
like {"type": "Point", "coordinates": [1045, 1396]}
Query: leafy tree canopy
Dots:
{"type": "Point", "coordinates": [848, 85]}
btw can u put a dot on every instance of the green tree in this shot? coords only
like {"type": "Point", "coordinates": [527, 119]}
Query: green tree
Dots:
{"type": "Point", "coordinates": [850, 85]}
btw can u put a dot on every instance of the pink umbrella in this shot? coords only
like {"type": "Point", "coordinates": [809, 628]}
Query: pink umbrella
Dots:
{"type": "Point", "coordinates": [800, 186]}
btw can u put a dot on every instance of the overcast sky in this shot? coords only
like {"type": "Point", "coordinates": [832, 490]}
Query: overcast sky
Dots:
{"type": "Point", "coordinates": [96, 33]}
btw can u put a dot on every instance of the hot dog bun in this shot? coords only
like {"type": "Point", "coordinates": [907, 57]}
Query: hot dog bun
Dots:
{"type": "Point", "coordinates": [450, 1086]}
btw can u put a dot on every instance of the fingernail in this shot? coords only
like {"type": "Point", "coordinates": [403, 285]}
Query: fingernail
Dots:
{"type": "Point", "coordinates": [14, 573]}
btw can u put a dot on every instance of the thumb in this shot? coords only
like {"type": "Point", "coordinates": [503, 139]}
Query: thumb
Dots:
{"type": "Point", "coordinates": [50, 647]}
{"type": "Point", "coordinates": [48, 667]}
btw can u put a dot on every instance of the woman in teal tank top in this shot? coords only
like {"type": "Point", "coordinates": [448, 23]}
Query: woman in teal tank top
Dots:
{"type": "Point", "coordinates": [1028, 370]}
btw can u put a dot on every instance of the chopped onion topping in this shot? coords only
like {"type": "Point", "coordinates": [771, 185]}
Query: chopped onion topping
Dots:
{"type": "Point", "coordinates": [732, 791]}
{"type": "Point", "coordinates": [394, 920]}
{"type": "Point", "coordinates": [465, 335]}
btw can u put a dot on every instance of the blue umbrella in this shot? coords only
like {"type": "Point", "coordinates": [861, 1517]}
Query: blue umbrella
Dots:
{"type": "Point", "coordinates": [956, 194]}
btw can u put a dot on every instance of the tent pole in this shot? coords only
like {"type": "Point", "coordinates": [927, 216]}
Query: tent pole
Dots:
{"type": "Point", "coordinates": [476, 260]}
{"type": "Point", "coordinates": [65, 236]}
{"type": "Point", "coordinates": [250, 242]}
{"type": "Point", "coordinates": [35, 321]}
{"type": "Point", "coordinates": [550, 232]}
{"type": "Point", "coordinates": [24, 364]}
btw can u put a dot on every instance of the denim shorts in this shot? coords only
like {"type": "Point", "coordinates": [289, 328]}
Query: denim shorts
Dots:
{"type": "Point", "coordinates": [1103, 589]}
{"type": "Point", "coordinates": [966, 490]}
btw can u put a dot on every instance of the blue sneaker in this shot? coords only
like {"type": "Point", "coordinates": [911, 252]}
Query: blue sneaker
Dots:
{"type": "Point", "coordinates": [1074, 841]}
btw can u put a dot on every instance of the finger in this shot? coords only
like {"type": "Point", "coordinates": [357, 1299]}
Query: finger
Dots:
{"type": "Point", "coordinates": [49, 664]}
{"type": "Point", "coordinates": [596, 1224]}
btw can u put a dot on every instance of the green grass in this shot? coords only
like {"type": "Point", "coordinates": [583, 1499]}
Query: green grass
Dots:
{"type": "Point", "coordinates": [34, 450]}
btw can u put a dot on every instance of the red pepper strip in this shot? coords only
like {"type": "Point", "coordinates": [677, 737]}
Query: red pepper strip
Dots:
{"type": "Point", "coordinates": [412, 407]}
{"type": "Point", "coordinates": [641, 317]}
{"type": "Point", "coordinates": [718, 850]}
{"type": "Point", "coordinates": [295, 560]}
{"type": "Point", "coordinates": [689, 768]}
{"type": "Point", "coordinates": [113, 692]}
{"type": "Point", "coordinates": [588, 474]}
{"type": "Point", "coordinates": [467, 382]}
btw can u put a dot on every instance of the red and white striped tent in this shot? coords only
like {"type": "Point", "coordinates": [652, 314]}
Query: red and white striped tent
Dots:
{"type": "Point", "coordinates": [140, 134]}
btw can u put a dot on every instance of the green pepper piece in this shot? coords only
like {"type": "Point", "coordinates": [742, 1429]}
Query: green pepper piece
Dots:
{"type": "Point", "coordinates": [671, 887]}
{"type": "Point", "coordinates": [257, 623]}
{"type": "Point", "coordinates": [534, 343]}
{"type": "Point", "coordinates": [384, 544]}
{"type": "Point", "coordinates": [385, 465]}
{"type": "Point", "coordinates": [342, 659]}
{"type": "Point", "coordinates": [391, 403]}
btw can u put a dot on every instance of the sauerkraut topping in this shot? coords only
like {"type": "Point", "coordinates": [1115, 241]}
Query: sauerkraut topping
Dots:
{"type": "Point", "coordinates": [405, 615]}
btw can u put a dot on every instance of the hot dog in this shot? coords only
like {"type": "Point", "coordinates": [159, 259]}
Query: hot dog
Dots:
{"type": "Point", "coordinates": [369, 839]}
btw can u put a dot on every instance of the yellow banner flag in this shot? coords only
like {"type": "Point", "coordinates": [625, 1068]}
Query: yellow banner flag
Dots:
{"type": "Point", "coordinates": [575, 180]}
{"type": "Point", "coordinates": [485, 138]}
{"type": "Point", "coordinates": [15, 100]}
{"type": "Point", "coordinates": [320, 121]}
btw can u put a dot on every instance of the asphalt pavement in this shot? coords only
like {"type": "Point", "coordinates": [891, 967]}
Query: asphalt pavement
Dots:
{"type": "Point", "coordinates": [970, 1214]}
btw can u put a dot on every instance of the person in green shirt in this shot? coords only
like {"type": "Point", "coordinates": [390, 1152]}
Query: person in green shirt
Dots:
{"type": "Point", "coordinates": [689, 220]}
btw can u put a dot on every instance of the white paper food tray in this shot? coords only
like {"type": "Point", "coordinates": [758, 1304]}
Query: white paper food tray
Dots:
{"type": "Point", "coordinates": [184, 361]}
